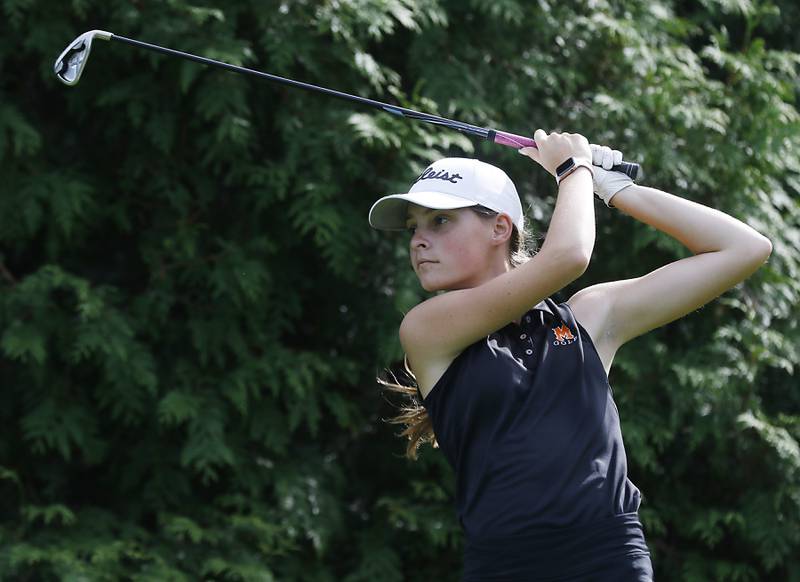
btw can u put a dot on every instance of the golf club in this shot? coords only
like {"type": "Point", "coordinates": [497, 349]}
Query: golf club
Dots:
{"type": "Point", "coordinates": [71, 62]}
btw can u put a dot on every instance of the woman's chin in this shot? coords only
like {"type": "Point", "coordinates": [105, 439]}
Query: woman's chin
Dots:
{"type": "Point", "coordinates": [428, 285]}
{"type": "Point", "coordinates": [433, 286]}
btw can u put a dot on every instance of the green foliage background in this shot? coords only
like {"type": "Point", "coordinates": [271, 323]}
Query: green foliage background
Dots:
{"type": "Point", "coordinates": [193, 309]}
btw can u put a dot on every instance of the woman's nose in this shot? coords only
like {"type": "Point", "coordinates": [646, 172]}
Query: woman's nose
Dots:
{"type": "Point", "coordinates": [418, 240]}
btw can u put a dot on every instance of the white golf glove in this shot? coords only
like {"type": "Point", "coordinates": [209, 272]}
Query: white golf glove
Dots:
{"type": "Point", "coordinates": [606, 182]}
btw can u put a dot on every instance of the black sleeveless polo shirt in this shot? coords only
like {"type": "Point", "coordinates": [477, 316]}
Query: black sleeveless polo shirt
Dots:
{"type": "Point", "coordinates": [527, 420]}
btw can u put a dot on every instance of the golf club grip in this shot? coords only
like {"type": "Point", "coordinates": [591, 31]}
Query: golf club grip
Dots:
{"type": "Point", "coordinates": [630, 169]}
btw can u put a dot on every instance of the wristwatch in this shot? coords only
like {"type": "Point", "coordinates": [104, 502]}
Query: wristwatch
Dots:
{"type": "Point", "coordinates": [570, 165]}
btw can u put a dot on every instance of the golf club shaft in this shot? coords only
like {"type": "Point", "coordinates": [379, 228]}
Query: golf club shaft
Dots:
{"type": "Point", "coordinates": [493, 135]}
{"type": "Point", "coordinates": [472, 129]}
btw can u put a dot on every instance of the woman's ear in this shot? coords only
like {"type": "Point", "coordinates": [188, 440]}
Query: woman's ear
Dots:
{"type": "Point", "coordinates": [501, 232]}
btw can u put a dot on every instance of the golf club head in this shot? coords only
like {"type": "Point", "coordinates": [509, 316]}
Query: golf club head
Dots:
{"type": "Point", "coordinates": [70, 63]}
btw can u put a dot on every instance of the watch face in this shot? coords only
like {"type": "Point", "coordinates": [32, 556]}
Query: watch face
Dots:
{"type": "Point", "coordinates": [568, 163]}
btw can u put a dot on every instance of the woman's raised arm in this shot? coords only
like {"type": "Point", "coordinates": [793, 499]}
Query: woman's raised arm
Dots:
{"type": "Point", "coordinates": [726, 251]}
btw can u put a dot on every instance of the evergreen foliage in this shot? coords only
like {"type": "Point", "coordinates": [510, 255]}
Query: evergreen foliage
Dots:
{"type": "Point", "coordinates": [193, 309]}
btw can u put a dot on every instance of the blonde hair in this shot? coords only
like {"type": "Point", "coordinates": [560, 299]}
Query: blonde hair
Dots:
{"type": "Point", "coordinates": [417, 425]}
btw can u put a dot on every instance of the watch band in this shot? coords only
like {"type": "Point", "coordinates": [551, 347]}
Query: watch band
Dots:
{"type": "Point", "coordinates": [568, 166]}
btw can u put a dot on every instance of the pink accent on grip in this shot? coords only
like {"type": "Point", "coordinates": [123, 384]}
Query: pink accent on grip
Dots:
{"type": "Point", "coordinates": [513, 140]}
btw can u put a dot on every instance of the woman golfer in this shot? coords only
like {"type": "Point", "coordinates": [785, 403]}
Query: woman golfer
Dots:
{"type": "Point", "coordinates": [514, 387]}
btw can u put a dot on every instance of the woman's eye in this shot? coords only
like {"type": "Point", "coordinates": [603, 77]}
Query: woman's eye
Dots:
{"type": "Point", "coordinates": [411, 229]}
{"type": "Point", "coordinates": [441, 219]}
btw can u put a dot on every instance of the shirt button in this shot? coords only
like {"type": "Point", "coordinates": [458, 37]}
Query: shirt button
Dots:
{"type": "Point", "coordinates": [523, 336]}
{"type": "Point", "coordinates": [529, 352]}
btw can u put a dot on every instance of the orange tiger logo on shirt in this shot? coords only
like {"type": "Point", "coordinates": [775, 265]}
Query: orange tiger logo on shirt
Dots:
{"type": "Point", "coordinates": [563, 335]}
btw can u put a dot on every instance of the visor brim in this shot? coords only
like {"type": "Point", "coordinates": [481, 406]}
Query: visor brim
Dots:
{"type": "Point", "coordinates": [390, 212]}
